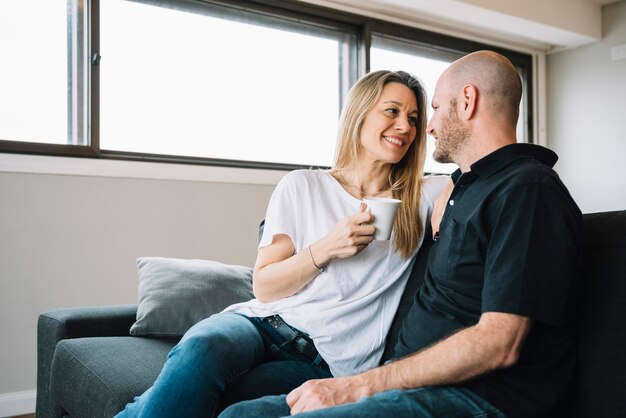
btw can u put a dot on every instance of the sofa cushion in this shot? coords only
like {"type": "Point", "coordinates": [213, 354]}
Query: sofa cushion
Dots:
{"type": "Point", "coordinates": [97, 377]}
{"type": "Point", "coordinates": [174, 294]}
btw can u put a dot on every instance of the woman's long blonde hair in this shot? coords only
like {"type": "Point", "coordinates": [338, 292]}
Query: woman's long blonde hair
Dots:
{"type": "Point", "coordinates": [406, 176]}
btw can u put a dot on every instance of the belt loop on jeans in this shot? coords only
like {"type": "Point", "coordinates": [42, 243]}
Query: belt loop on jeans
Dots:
{"type": "Point", "coordinates": [319, 362]}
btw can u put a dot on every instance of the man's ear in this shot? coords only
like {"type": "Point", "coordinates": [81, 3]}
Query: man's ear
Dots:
{"type": "Point", "coordinates": [469, 100]}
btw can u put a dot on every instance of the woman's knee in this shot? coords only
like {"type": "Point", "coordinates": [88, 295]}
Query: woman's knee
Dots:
{"type": "Point", "coordinates": [223, 333]}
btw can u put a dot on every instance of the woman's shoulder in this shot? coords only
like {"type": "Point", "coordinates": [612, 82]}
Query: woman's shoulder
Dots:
{"type": "Point", "coordinates": [306, 176]}
{"type": "Point", "coordinates": [433, 185]}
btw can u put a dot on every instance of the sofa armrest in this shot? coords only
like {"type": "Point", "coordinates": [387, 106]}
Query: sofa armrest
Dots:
{"type": "Point", "coordinates": [60, 324]}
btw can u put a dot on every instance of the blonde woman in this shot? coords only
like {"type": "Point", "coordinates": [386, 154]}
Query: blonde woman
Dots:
{"type": "Point", "coordinates": [326, 291]}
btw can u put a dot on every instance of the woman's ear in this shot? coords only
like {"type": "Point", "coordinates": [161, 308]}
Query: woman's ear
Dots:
{"type": "Point", "coordinates": [469, 101]}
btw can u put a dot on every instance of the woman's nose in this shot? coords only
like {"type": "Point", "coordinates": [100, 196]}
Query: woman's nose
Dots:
{"type": "Point", "coordinates": [403, 125]}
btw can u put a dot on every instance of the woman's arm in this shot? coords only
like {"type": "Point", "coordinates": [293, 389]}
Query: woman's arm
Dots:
{"type": "Point", "coordinates": [279, 272]}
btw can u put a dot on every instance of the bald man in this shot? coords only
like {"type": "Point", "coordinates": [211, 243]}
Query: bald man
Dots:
{"type": "Point", "coordinates": [490, 334]}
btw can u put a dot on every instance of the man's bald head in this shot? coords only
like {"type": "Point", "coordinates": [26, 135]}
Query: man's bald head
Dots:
{"type": "Point", "coordinates": [494, 76]}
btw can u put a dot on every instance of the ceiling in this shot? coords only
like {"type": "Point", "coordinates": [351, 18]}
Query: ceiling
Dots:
{"type": "Point", "coordinates": [532, 24]}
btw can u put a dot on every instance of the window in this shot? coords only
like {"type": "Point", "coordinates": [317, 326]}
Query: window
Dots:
{"type": "Point", "coordinates": [218, 85]}
{"type": "Point", "coordinates": [34, 71]}
{"type": "Point", "coordinates": [232, 83]}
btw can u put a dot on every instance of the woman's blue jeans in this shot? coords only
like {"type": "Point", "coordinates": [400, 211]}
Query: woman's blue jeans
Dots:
{"type": "Point", "coordinates": [224, 353]}
{"type": "Point", "coordinates": [430, 402]}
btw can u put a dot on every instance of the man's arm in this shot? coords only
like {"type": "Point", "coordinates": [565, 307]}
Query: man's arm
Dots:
{"type": "Point", "coordinates": [493, 343]}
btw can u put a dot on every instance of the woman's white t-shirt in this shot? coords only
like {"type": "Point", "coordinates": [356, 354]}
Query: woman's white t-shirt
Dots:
{"type": "Point", "coordinates": [348, 309]}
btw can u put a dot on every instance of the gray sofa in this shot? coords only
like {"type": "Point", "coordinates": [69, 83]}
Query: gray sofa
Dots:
{"type": "Point", "coordinates": [90, 366]}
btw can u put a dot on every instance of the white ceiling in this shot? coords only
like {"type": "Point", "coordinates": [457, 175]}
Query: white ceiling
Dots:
{"type": "Point", "coordinates": [530, 24]}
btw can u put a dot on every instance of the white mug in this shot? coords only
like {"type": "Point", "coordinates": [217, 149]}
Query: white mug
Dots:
{"type": "Point", "coordinates": [384, 211]}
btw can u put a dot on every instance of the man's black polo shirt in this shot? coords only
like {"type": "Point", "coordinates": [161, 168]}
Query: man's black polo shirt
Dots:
{"type": "Point", "coordinates": [509, 242]}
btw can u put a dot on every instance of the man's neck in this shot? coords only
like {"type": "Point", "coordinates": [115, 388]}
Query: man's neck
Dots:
{"type": "Point", "coordinates": [479, 148]}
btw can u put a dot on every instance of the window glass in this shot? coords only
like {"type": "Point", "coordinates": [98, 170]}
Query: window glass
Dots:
{"type": "Point", "coordinates": [189, 83]}
{"type": "Point", "coordinates": [33, 73]}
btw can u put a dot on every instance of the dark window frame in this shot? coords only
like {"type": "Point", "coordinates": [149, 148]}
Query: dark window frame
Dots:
{"type": "Point", "coordinates": [363, 28]}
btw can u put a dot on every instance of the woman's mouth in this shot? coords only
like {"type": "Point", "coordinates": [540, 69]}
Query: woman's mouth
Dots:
{"type": "Point", "coordinates": [394, 141]}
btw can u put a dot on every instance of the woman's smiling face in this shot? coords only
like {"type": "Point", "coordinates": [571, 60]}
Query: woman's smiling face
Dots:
{"type": "Point", "coordinates": [389, 128]}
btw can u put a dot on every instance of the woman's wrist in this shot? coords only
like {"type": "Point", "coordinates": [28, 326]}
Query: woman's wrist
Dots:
{"type": "Point", "coordinates": [318, 258]}
{"type": "Point", "coordinates": [319, 268]}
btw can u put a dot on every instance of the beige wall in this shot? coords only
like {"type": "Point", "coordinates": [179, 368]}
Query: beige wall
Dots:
{"type": "Point", "coordinates": [73, 240]}
{"type": "Point", "coordinates": [587, 116]}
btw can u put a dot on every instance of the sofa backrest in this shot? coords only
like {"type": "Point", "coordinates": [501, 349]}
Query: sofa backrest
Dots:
{"type": "Point", "coordinates": [600, 389]}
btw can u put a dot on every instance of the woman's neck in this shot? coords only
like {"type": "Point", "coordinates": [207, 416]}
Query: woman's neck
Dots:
{"type": "Point", "coordinates": [363, 182]}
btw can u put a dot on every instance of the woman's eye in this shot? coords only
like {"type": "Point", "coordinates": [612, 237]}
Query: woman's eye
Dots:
{"type": "Point", "coordinates": [413, 120]}
{"type": "Point", "coordinates": [392, 111]}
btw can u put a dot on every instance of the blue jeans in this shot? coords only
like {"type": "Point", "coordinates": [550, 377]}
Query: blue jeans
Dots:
{"type": "Point", "coordinates": [430, 402]}
{"type": "Point", "coordinates": [221, 360]}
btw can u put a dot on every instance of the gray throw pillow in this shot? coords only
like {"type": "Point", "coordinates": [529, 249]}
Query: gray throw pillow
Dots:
{"type": "Point", "coordinates": [174, 294]}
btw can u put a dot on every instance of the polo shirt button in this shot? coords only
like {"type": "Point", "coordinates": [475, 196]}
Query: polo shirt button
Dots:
{"type": "Point", "coordinates": [451, 202]}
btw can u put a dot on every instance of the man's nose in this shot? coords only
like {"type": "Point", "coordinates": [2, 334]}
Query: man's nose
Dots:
{"type": "Point", "coordinates": [429, 129]}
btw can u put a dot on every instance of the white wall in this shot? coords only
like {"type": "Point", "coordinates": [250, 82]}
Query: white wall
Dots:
{"type": "Point", "coordinates": [587, 116]}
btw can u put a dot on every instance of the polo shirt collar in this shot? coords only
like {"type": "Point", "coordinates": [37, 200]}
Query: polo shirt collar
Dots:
{"type": "Point", "coordinates": [501, 157]}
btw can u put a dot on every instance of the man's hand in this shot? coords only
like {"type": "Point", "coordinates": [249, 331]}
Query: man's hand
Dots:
{"type": "Point", "coordinates": [324, 393]}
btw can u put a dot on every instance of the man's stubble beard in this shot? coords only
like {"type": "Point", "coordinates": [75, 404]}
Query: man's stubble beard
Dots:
{"type": "Point", "coordinates": [451, 138]}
